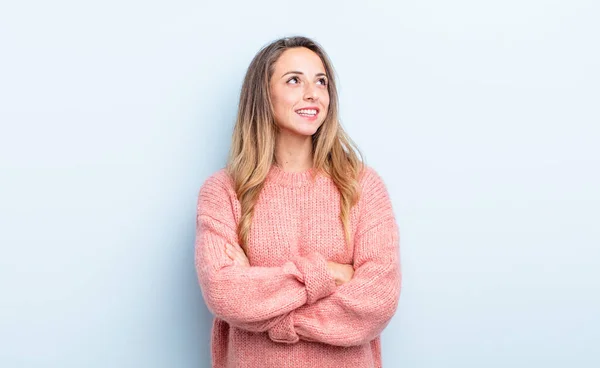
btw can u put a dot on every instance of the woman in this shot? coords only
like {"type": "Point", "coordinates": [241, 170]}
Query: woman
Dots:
{"type": "Point", "coordinates": [297, 248]}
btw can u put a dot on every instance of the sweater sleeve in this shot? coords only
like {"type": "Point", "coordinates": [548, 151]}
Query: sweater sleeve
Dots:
{"type": "Point", "coordinates": [358, 311]}
{"type": "Point", "coordinates": [250, 297]}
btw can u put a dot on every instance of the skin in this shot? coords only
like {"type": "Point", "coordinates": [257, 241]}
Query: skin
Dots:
{"type": "Point", "coordinates": [291, 91]}
{"type": "Point", "coordinates": [299, 80]}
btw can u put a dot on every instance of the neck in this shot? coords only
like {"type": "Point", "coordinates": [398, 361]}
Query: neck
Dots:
{"type": "Point", "coordinates": [293, 152]}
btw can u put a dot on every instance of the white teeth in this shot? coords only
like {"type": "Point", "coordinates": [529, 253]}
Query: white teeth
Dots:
{"type": "Point", "coordinates": [307, 112]}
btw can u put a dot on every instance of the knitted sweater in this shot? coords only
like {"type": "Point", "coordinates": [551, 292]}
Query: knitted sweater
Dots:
{"type": "Point", "coordinates": [285, 310]}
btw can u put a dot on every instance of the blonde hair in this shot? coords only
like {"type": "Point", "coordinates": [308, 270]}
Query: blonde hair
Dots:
{"type": "Point", "coordinates": [253, 143]}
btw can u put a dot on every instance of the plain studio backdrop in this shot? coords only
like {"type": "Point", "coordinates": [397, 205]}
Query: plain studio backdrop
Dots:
{"type": "Point", "coordinates": [481, 116]}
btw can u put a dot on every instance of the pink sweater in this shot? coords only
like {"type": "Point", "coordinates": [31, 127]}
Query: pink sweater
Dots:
{"type": "Point", "coordinates": [286, 310]}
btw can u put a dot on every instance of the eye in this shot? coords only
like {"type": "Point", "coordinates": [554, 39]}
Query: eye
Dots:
{"type": "Point", "coordinates": [293, 78]}
{"type": "Point", "coordinates": [323, 81]}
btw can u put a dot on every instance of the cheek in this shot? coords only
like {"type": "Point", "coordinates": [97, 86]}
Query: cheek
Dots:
{"type": "Point", "coordinates": [289, 101]}
{"type": "Point", "coordinates": [279, 107]}
{"type": "Point", "coordinates": [325, 97]}
{"type": "Point", "coordinates": [283, 109]}
{"type": "Point", "coordinates": [283, 103]}
{"type": "Point", "coordinates": [326, 101]}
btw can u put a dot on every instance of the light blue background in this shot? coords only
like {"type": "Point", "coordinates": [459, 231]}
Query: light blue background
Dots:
{"type": "Point", "coordinates": [481, 116]}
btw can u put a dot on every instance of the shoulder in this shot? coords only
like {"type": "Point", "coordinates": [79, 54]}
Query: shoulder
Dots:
{"type": "Point", "coordinates": [220, 179]}
{"type": "Point", "coordinates": [371, 183]}
{"type": "Point", "coordinates": [374, 202]}
{"type": "Point", "coordinates": [216, 190]}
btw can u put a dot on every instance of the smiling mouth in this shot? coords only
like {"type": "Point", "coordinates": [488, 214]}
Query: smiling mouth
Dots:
{"type": "Point", "coordinates": [307, 112]}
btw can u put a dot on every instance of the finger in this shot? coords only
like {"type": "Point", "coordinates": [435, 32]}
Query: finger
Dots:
{"type": "Point", "coordinates": [241, 258]}
{"type": "Point", "coordinates": [230, 249]}
{"type": "Point", "coordinates": [236, 259]}
{"type": "Point", "coordinates": [231, 253]}
{"type": "Point", "coordinates": [238, 251]}
{"type": "Point", "coordinates": [237, 254]}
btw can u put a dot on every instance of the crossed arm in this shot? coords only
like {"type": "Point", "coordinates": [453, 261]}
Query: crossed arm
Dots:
{"type": "Point", "coordinates": [300, 300]}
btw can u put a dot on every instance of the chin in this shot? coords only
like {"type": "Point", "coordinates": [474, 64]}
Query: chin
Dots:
{"type": "Point", "coordinates": [303, 133]}
{"type": "Point", "coordinates": [306, 131]}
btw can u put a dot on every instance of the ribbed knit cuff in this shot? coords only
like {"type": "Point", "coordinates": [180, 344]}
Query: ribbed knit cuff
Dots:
{"type": "Point", "coordinates": [284, 331]}
{"type": "Point", "coordinates": [318, 280]}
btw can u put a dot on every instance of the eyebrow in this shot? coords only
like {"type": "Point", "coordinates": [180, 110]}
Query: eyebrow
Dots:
{"type": "Point", "coordinates": [297, 72]}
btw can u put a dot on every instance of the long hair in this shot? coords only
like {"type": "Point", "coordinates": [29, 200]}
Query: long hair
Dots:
{"type": "Point", "coordinates": [253, 143]}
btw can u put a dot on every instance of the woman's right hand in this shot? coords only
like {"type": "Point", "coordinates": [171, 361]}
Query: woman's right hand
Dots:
{"type": "Point", "coordinates": [341, 272]}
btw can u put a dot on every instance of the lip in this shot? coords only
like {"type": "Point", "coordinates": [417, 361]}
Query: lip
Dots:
{"type": "Point", "coordinates": [309, 118]}
{"type": "Point", "coordinates": [309, 108]}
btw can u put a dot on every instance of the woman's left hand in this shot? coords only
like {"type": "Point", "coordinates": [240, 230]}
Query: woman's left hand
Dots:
{"type": "Point", "coordinates": [236, 253]}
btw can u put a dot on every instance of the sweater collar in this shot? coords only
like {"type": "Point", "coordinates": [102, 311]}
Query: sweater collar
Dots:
{"type": "Point", "coordinates": [289, 178]}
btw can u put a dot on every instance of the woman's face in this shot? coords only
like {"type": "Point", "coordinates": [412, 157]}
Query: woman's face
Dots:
{"type": "Point", "coordinates": [299, 93]}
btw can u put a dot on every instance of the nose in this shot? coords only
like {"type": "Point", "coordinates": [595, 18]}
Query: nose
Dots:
{"type": "Point", "coordinates": [310, 92]}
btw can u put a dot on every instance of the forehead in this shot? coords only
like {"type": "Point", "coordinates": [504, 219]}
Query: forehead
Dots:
{"type": "Point", "coordinates": [299, 59]}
